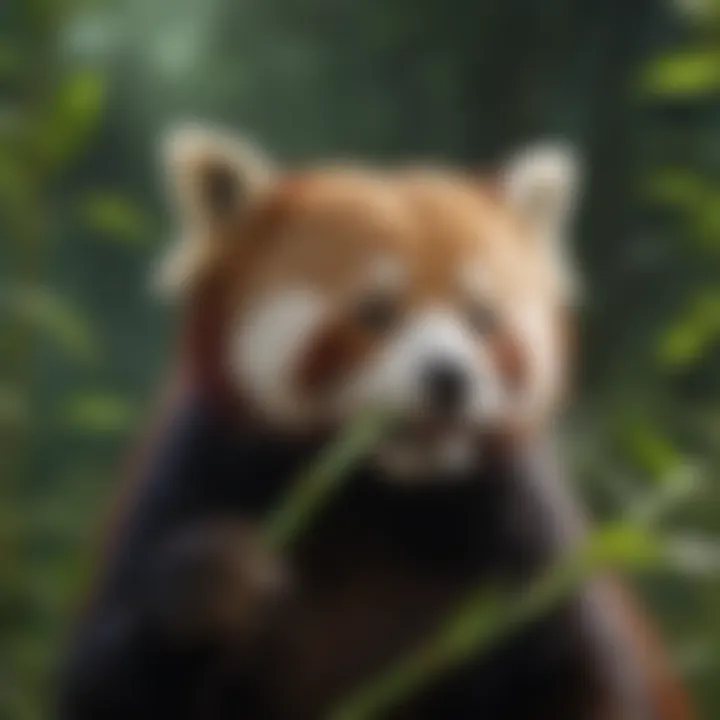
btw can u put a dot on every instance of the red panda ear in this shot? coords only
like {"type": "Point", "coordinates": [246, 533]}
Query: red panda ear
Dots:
{"type": "Point", "coordinates": [211, 173]}
{"type": "Point", "coordinates": [212, 176]}
{"type": "Point", "coordinates": [542, 184]}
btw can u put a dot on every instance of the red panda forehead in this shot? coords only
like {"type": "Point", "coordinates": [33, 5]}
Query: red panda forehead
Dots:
{"type": "Point", "coordinates": [337, 229]}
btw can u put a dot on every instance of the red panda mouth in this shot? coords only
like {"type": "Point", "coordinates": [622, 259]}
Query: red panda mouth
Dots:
{"type": "Point", "coordinates": [423, 447]}
{"type": "Point", "coordinates": [429, 430]}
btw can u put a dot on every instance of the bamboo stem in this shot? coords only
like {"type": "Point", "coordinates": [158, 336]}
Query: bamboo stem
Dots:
{"type": "Point", "coordinates": [484, 621]}
{"type": "Point", "coordinates": [315, 487]}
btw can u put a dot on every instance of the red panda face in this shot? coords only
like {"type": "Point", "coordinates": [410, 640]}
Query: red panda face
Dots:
{"type": "Point", "coordinates": [419, 293]}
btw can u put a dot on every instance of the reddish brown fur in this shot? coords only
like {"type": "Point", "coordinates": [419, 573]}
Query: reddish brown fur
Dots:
{"type": "Point", "coordinates": [671, 702]}
{"type": "Point", "coordinates": [324, 229]}
{"type": "Point", "coordinates": [511, 359]}
{"type": "Point", "coordinates": [339, 346]}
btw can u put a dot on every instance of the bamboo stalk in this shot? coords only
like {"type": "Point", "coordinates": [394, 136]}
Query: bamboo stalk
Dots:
{"type": "Point", "coordinates": [483, 622]}
{"type": "Point", "coordinates": [315, 487]}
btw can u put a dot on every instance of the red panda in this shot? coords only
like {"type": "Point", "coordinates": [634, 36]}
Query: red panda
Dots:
{"type": "Point", "coordinates": [308, 298]}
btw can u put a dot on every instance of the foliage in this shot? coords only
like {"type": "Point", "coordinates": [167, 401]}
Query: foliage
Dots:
{"type": "Point", "coordinates": [85, 89]}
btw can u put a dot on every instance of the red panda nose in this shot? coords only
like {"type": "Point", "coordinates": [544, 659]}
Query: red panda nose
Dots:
{"type": "Point", "coordinates": [445, 384]}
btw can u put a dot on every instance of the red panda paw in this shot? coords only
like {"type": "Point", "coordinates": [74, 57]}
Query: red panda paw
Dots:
{"type": "Point", "coordinates": [216, 582]}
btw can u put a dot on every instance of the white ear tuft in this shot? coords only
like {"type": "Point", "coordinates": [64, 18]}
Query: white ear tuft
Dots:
{"type": "Point", "coordinates": [212, 176]}
{"type": "Point", "coordinates": [211, 171]}
{"type": "Point", "coordinates": [176, 269]}
{"type": "Point", "coordinates": [542, 182]}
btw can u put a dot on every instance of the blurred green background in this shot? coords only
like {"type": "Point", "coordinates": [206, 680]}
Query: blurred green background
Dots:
{"type": "Point", "coordinates": [86, 89]}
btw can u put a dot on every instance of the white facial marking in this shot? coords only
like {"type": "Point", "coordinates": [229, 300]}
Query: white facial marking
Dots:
{"type": "Point", "coordinates": [268, 343]}
{"type": "Point", "coordinates": [394, 378]}
{"type": "Point", "coordinates": [532, 324]}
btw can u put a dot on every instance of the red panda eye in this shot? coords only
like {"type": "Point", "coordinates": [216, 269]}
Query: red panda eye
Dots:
{"type": "Point", "coordinates": [483, 319]}
{"type": "Point", "coordinates": [379, 313]}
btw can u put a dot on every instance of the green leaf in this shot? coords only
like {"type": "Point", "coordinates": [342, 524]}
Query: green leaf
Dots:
{"type": "Point", "coordinates": [706, 222]}
{"type": "Point", "coordinates": [692, 195]}
{"type": "Point", "coordinates": [683, 75]}
{"type": "Point", "coordinates": [650, 449]}
{"type": "Point", "coordinates": [98, 412]}
{"type": "Point", "coordinates": [11, 60]}
{"type": "Point", "coordinates": [693, 333]}
{"type": "Point", "coordinates": [115, 217]}
{"type": "Point", "coordinates": [72, 117]}
{"type": "Point", "coordinates": [54, 315]}
{"type": "Point", "coordinates": [678, 188]}
{"type": "Point", "coordinates": [624, 545]}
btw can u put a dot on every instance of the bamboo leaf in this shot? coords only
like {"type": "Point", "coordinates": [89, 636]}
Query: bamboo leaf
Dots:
{"type": "Point", "coordinates": [115, 217]}
{"type": "Point", "coordinates": [677, 188]}
{"type": "Point", "coordinates": [53, 315]}
{"type": "Point", "coordinates": [72, 117]}
{"type": "Point", "coordinates": [693, 333]}
{"type": "Point", "coordinates": [683, 75]}
{"type": "Point", "coordinates": [98, 413]}
{"type": "Point", "coordinates": [650, 449]}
